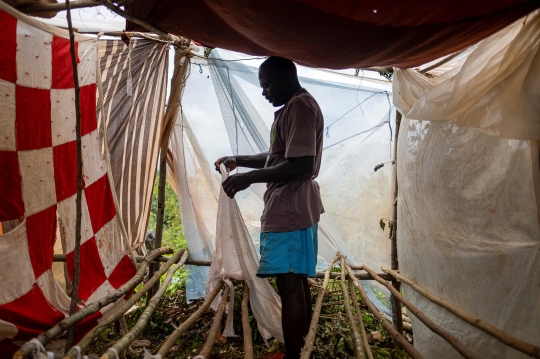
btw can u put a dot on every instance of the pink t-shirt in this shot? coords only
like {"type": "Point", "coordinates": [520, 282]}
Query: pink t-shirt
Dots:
{"type": "Point", "coordinates": [297, 131]}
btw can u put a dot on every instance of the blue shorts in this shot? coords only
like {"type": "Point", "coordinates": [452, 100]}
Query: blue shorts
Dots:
{"type": "Point", "coordinates": [289, 252]}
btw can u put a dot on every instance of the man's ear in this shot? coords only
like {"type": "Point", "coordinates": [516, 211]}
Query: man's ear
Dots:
{"type": "Point", "coordinates": [286, 77]}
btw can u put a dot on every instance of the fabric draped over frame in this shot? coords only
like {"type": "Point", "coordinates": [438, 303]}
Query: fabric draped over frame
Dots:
{"type": "Point", "coordinates": [134, 81]}
{"type": "Point", "coordinates": [38, 184]}
{"type": "Point", "coordinates": [347, 33]}
{"type": "Point", "coordinates": [469, 192]}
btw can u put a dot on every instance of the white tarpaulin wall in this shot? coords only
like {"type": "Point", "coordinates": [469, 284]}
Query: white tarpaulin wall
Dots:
{"type": "Point", "coordinates": [224, 113]}
{"type": "Point", "coordinates": [468, 213]}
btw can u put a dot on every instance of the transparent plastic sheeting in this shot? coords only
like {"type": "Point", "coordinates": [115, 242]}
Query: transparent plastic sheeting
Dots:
{"type": "Point", "coordinates": [224, 113]}
{"type": "Point", "coordinates": [468, 172]}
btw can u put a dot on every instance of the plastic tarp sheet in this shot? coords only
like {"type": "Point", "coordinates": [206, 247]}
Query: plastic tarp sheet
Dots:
{"type": "Point", "coordinates": [468, 208]}
{"type": "Point", "coordinates": [223, 113]}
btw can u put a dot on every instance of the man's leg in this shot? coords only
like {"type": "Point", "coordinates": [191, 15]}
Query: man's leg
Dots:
{"type": "Point", "coordinates": [309, 307]}
{"type": "Point", "coordinates": [293, 312]}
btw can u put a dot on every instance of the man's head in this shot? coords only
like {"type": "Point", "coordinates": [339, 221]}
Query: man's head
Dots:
{"type": "Point", "coordinates": [278, 79]}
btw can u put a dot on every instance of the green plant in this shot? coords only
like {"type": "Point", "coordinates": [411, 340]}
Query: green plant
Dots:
{"type": "Point", "coordinates": [173, 233]}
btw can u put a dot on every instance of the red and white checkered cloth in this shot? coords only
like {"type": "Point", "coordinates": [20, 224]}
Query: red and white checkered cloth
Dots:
{"type": "Point", "coordinates": [38, 180]}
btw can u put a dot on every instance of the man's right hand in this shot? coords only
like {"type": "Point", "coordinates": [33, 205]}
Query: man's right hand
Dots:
{"type": "Point", "coordinates": [228, 161]}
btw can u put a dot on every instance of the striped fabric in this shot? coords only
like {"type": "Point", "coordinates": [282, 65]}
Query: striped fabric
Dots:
{"type": "Point", "coordinates": [134, 86]}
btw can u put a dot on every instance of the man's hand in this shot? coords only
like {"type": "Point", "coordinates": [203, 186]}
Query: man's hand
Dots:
{"type": "Point", "coordinates": [228, 161]}
{"type": "Point", "coordinates": [236, 183]}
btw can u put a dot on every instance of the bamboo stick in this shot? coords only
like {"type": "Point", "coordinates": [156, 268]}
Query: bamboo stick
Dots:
{"type": "Point", "coordinates": [248, 341]}
{"type": "Point", "coordinates": [178, 332]}
{"type": "Point", "coordinates": [358, 350]}
{"type": "Point", "coordinates": [453, 341]}
{"type": "Point", "coordinates": [413, 353]}
{"type": "Point", "coordinates": [159, 222]}
{"type": "Point", "coordinates": [137, 329]}
{"type": "Point", "coordinates": [359, 317]}
{"type": "Point", "coordinates": [78, 198]}
{"type": "Point", "coordinates": [498, 334]}
{"type": "Point", "coordinates": [125, 307]}
{"type": "Point", "coordinates": [46, 337]}
{"type": "Point", "coordinates": [310, 338]}
{"type": "Point", "coordinates": [212, 334]}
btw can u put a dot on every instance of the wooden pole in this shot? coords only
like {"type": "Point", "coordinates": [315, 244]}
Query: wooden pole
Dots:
{"type": "Point", "coordinates": [46, 337]}
{"type": "Point", "coordinates": [78, 199]}
{"type": "Point", "coordinates": [159, 219]}
{"type": "Point", "coordinates": [453, 341]}
{"type": "Point", "coordinates": [393, 255]}
{"type": "Point", "coordinates": [137, 329]}
{"type": "Point", "coordinates": [212, 334]}
{"type": "Point", "coordinates": [89, 337]}
{"type": "Point", "coordinates": [359, 317]}
{"type": "Point", "coordinates": [498, 334]}
{"type": "Point", "coordinates": [138, 21]}
{"type": "Point", "coordinates": [359, 352]}
{"type": "Point", "coordinates": [361, 276]}
{"type": "Point", "coordinates": [51, 8]}
{"type": "Point", "coordinates": [310, 338]}
{"type": "Point", "coordinates": [397, 315]}
{"type": "Point", "coordinates": [403, 343]}
{"type": "Point", "coordinates": [178, 332]}
{"type": "Point", "coordinates": [163, 259]}
{"type": "Point", "coordinates": [248, 341]}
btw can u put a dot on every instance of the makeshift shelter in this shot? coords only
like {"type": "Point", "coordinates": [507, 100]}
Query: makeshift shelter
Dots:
{"type": "Point", "coordinates": [454, 232]}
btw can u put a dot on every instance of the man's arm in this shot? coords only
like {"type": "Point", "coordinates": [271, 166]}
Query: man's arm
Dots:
{"type": "Point", "coordinates": [252, 161]}
{"type": "Point", "coordinates": [286, 171]}
{"type": "Point", "coordinates": [249, 161]}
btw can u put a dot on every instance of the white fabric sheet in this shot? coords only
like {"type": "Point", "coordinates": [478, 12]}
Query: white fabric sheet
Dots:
{"type": "Point", "coordinates": [468, 224]}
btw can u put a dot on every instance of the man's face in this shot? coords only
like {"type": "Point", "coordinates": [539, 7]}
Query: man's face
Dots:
{"type": "Point", "coordinates": [274, 86]}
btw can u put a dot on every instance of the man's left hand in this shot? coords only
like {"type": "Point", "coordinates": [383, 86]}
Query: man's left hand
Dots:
{"type": "Point", "coordinates": [236, 183]}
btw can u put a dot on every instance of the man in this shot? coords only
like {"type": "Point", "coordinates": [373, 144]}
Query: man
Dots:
{"type": "Point", "coordinates": [292, 202]}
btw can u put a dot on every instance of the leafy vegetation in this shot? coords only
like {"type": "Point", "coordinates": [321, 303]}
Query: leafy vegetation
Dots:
{"type": "Point", "coordinates": [173, 233]}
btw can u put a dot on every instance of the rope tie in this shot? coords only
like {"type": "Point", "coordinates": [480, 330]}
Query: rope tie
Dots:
{"type": "Point", "coordinates": [39, 348]}
{"type": "Point", "coordinates": [228, 331]}
{"type": "Point", "coordinates": [115, 352]}
{"type": "Point", "coordinates": [148, 355]}
{"type": "Point", "coordinates": [78, 349]}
